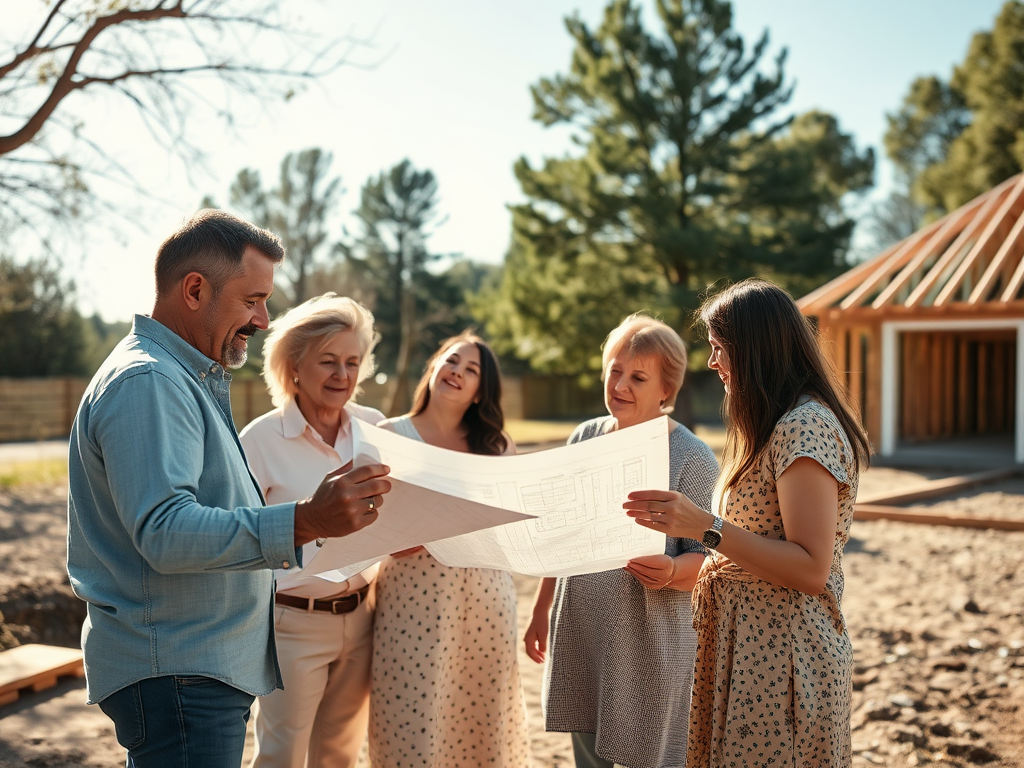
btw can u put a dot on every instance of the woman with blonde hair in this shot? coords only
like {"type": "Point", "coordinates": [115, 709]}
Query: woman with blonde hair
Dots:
{"type": "Point", "coordinates": [622, 642]}
{"type": "Point", "coordinates": [774, 662]}
{"type": "Point", "coordinates": [314, 359]}
{"type": "Point", "coordinates": [446, 688]}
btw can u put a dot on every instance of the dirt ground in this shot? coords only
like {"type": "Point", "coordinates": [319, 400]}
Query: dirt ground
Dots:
{"type": "Point", "coordinates": [935, 614]}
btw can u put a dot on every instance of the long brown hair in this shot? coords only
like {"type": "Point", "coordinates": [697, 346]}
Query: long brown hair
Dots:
{"type": "Point", "coordinates": [774, 359]}
{"type": "Point", "coordinates": [484, 420]}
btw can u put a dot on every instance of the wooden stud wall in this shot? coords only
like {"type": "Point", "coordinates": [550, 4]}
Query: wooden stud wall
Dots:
{"type": "Point", "coordinates": [956, 384]}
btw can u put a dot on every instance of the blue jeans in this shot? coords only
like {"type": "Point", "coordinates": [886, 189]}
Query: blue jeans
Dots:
{"type": "Point", "coordinates": [180, 722]}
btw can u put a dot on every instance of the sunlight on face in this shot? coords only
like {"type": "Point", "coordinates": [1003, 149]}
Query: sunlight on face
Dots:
{"type": "Point", "coordinates": [456, 376]}
{"type": "Point", "coordinates": [329, 374]}
{"type": "Point", "coordinates": [719, 360]}
{"type": "Point", "coordinates": [633, 389]}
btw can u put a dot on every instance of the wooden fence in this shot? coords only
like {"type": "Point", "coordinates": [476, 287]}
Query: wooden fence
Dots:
{"type": "Point", "coordinates": [38, 409]}
{"type": "Point", "coordinates": [42, 409]}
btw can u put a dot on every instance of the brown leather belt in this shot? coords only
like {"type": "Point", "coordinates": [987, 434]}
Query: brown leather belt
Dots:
{"type": "Point", "coordinates": [336, 605]}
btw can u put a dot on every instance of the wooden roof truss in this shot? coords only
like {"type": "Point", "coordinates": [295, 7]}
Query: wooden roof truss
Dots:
{"type": "Point", "coordinates": [970, 258]}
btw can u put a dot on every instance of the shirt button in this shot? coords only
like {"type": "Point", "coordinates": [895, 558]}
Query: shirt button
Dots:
{"type": "Point", "coordinates": [286, 565]}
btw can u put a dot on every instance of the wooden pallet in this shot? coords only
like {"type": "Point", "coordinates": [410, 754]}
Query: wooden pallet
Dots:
{"type": "Point", "coordinates": [883, 506]}
{"type": "Point", "coordinates": [35, 668]}
{"type": "Point", "coordinates": [943, 487]}
{"type": "Point", "coordinates": [926, 516]}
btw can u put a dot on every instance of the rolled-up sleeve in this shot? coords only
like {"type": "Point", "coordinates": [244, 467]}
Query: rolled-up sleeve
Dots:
{"type": "Point", "coordinates": [152, 442]}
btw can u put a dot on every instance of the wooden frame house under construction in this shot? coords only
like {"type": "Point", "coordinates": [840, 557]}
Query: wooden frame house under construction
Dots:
{"type": "Point", "coordinates": [930, 333]}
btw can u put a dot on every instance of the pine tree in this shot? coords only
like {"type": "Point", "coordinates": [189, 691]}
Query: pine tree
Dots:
{"type": "Point", "coordinates": [689, 171]}
{"type": "Point", "coordinates": [955, 140]}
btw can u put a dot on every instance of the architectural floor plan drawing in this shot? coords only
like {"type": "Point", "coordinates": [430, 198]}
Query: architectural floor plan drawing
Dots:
{"type": "Point", "coordinates": [579, 524]}
{"type": "Point", "coordinates": [566, 504]}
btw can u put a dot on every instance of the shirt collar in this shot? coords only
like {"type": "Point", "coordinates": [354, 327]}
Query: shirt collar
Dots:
{"type": "Point", "coordinates": [294, 424]}
{"type": "Point", "coordinates": [183, 352]}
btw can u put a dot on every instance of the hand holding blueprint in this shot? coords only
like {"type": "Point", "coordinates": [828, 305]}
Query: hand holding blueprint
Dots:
{"type": "Point", "coordinates": [576, 493]}
{"type": "Point", "coordinates": [477, 511]}
{"type": "Point", "coordinates": [411, 515]}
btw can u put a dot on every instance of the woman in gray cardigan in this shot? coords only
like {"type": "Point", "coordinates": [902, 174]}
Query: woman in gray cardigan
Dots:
{"type": "Point", "coordinates": [622, 642]}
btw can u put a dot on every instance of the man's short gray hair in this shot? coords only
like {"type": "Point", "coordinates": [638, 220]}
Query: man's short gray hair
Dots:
{"type": "Point", "coordinates": [212, 243]}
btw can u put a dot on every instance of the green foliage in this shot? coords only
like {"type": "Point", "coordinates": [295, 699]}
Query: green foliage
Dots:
{"type": "Point", "coordinates": [687, 173]}
{"type": "Point", "coordinates": [41, 334]}
{"type": "Point", "coordinates": [296, 210]}
{"type": "Point", "coordinates": [955, 140]}
{"type": "Point", "coordinates": [413, 306]}
{"type": "Point", "coordinates": [99, 340]}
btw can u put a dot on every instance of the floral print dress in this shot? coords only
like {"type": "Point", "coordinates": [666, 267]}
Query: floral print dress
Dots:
{"type": "Point", "coordinates": [445, 685]}
{"type": "Point", "coordinates": [773, 678]}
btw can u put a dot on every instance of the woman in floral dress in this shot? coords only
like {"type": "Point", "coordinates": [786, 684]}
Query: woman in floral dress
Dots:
{"type": "Point", "coordinates": [772, 681]}
{"type": "Point", "coordinates": [445, 687]}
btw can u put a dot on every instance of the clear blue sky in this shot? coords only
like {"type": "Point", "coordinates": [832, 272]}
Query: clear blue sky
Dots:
{"type": "Point", "coordinates": [450, 91]}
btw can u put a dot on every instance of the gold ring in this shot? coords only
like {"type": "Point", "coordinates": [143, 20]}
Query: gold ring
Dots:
{"type": "Point", "coordinates": [372, 507]}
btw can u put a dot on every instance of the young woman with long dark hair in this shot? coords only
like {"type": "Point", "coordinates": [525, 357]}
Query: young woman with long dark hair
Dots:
{"type": "Point", "coordinates": [445, 682]}
{"type": "Point", "coordinates": [774, 663]}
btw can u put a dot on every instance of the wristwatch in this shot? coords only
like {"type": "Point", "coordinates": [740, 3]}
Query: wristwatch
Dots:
{"type": "Point", "coordinates": [713, 536]}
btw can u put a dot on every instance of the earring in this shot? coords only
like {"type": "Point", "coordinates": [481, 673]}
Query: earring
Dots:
{"type": "Point", "coordinates": [295, 380]}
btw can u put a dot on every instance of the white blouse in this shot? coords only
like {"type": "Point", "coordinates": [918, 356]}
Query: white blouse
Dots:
{"type": "Point", "coordinates": [289, 459]}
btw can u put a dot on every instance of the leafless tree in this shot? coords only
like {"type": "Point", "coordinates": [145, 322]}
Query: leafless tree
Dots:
{"type": "Point", "coordinates": [169, 59]}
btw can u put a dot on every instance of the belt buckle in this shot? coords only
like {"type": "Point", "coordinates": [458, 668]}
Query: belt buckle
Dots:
{"type": "Point", "coordinates": [345, 600]}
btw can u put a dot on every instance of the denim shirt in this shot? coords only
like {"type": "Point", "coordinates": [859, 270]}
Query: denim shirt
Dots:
{"type": "Point", "coordinates": [168, 538]}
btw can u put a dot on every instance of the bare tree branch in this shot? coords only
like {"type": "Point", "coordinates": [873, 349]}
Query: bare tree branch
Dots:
{"type": "Point", "coordinates": [33, 48]}
{"type": "Point", "coordinates": [160, 56]}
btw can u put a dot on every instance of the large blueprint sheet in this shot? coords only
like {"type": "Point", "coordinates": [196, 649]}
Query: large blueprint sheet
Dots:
{"type": "Point", "coordinates": [417, 510]}
{"type": "Point", "coordinates": [575, 492]}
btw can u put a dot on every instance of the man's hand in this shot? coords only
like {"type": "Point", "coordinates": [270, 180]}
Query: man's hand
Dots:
{"type": "Point", "coordinates": [345, 502]}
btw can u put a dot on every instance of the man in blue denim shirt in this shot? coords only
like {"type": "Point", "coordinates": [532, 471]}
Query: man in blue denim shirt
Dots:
{"type": "Point", "coordinates": [168, 538]}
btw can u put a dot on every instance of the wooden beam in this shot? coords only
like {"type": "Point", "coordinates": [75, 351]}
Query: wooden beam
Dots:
{"type": "Point", "coordinates": [1010, 251]}
{"type": "Point", "coordinates": [999, 391]}
{"type": "Point", "coordinates": [956, 311]}
{"type": "Point", "coordinates": [963, 400]}
{"type": "Point", "coordinates": [951, 224]}
{"type": "Point", "coordinates": [838, 287]}
{"type": "Point", "coordinates": [981, 399]}
{"type": "Point", "coordinates": [925, 517]}
{"type": "Point", "coordinates": [872, 419]}
{"type": "Point", "coordinates": [909, 248]}
{"type": "Point", "coordinates": [856, 373]}
{"type": "Point", "coordinates": [935, 370]}
{"type": "Point", "coordinates": [944, 487]}
{"type": "Point", "coordinates": [906, 383]}
{"type": "Point", "coordinates": [988, 242]}
{"type": "Point", "coordinates": [1013, 286]}
{"type": "Point", "coordinates": [949, 260]}
{"type": "Point", "coordinates": [948, 384]}
{"type": "Point", "coordinates": [923, 390]}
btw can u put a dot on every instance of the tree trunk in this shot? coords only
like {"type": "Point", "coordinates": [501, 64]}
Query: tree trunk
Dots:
{"type": "Point", "coordinates": [397, 397]}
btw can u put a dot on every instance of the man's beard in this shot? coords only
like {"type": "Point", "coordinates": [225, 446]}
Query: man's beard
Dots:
{"type": "Point", "coordinates": [236, 348]}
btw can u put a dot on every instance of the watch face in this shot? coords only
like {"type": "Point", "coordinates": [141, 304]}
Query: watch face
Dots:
{"type": "Point", "coordinates": [711, 539]}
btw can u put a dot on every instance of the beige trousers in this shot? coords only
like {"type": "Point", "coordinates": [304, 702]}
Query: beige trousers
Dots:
{"type": "Point", "coordinates": [320, 718]}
